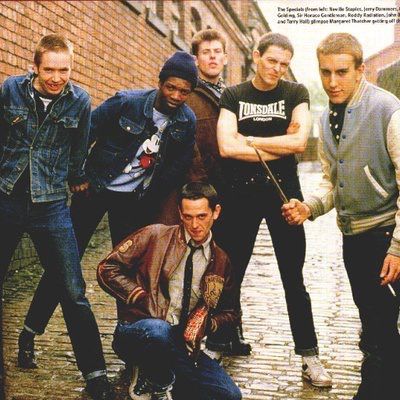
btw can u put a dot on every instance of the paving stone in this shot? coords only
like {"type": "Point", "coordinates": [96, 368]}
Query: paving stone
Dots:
{"type": "Point", "coordinates": [273, 371]}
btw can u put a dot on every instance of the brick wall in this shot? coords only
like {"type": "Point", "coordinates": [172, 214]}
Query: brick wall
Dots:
{"type": "Point", "coordinates": [118, 45]}
{"type": "Point", "coordinates": [115, 46]}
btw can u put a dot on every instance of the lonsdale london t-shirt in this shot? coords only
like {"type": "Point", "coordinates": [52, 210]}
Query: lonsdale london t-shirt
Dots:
{"type": "Point", "coordinates": [263, 114]}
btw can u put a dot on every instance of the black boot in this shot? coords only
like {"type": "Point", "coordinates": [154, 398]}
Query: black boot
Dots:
{"type": "Point", "coordinates": [26, 350]}
{"type": "Point", "coordinates": [371, 387]}
{"type": "Point", "coordinates": [230, 343]}
{"type": "Point", "coordinates": [239, 347]}
{"type": "Point", "coordinates": [99, 388]}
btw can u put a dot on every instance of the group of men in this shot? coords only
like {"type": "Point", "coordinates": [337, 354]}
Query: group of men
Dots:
{"type": "Point", "coordinates": [180, 253]}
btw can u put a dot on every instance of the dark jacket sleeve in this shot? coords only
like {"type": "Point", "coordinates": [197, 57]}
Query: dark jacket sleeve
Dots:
{"type": "Point", "coordinates": [104, 117]}
{"type": "Point", "coordinates": [116, 274]}
{"type": "Point", "coordinates": [79, 145]}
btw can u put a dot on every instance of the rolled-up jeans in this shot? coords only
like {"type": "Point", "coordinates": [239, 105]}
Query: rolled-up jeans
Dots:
{"type": "Point", "coordinates": [50, 228]}
{"type": "Point", "coordinates": [159, 350]}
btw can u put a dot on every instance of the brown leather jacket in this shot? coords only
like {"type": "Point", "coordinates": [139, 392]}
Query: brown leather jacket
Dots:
{"type": "Point", "coordinates": [205, 105]}
{"type": "Point", "coordinates": [137, 273]}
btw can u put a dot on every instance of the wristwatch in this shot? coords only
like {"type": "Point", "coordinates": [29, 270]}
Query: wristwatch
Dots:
{"type": "Point", "coordinates": [249, 140]}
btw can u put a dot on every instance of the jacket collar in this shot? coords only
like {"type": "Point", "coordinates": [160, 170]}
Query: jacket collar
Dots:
{"type": "Point", "coordinates": [179, 115]}
{"type": "Point", "coordinates": [27, 84]}
{"type": "Point", "coordinates": [358, 94]}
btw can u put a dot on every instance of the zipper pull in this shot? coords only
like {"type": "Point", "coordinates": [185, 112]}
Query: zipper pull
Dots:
{"type": "Point", "coordinates": [16, 120]}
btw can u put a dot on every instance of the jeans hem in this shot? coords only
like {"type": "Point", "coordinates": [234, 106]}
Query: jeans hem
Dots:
{"type": "Point", "coordinates": [313, 351]}
{"type": "Point", "coordinates": [95, 374]}
{"type": "Point", "coordinates": [27, 328]}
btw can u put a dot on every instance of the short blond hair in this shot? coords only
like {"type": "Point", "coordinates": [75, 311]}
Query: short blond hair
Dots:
{"type": "Point", "coordinates": [53, 42]}
{"type": "Point", "coordinates": [341, 43]}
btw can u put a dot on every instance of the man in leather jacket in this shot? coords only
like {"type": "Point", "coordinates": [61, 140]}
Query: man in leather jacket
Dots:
{"type": "Point", "coordinates": [156, 331]}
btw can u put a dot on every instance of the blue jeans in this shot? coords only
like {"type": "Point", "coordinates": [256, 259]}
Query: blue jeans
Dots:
{"type": "Point", "coordinates": [125, 214]}
{"type": "Point", "coordinates": [159, 350]}
{"type": "Point", "coordinates": [50, 228]}
{"type": "Point", "coordinates": [236, 231]}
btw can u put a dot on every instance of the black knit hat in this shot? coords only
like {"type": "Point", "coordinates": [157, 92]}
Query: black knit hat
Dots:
{"type": "Point", "coordinates": [180, 65]}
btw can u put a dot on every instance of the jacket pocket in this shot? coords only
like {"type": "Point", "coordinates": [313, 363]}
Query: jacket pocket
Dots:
{"type": "Point", "coordinates": [16, 118]}
{"type": "Point", "coordinates": [375, 184]}
{"type": "Point", "coordinates": [69, 122]}
{"type": "Point", "coordinates": [129, 126]}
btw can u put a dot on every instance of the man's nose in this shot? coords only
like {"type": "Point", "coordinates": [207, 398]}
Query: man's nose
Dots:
{"type": "Point", "coordinates": [56, 77]}
{"type": "Point", "coordinates": [333, 80]}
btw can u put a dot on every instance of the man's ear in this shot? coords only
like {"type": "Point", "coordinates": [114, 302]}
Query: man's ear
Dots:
{"type": "Point", "coordinates": [216, 212]}
{"type": "Point", "coordinates": [180, 213]}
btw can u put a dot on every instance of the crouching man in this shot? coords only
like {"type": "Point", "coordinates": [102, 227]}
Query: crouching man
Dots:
{"type": "Point", "coordinates": [173, 286]}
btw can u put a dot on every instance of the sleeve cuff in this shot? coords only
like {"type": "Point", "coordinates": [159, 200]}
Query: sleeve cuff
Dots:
{"type": "Point", "coordinates": [136, 294]}
{"type": "Point", "coordinates": [316, 207]}
{"type": "Point", "coordinates": [394, 248]}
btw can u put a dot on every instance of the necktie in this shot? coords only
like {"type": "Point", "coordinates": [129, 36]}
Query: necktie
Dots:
{"type": "Point", "coordinates": [187, 285]}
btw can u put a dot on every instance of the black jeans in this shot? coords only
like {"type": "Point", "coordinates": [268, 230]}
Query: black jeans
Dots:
{"type": "Point", "coordinates": [363, 256]}
{"type": "Point", "coordinates": [236, 231]}
{"type": "Point", "coordinates": [125, 214]}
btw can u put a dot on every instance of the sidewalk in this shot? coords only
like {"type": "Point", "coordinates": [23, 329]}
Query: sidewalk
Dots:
{"type": "Point", "coordinates": [273, 371]}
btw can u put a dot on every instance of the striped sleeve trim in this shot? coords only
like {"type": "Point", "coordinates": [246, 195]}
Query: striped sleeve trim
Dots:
{"type": "Point", "coordinates": [214, 326]}
{"type": "Point", "coordinates": [136, 293]}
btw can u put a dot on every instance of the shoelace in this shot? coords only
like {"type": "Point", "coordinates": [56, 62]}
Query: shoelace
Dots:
{"type": "Point", "coordinates": [316, 364]}
{"type": "Point", "coordinates": [142, 385]}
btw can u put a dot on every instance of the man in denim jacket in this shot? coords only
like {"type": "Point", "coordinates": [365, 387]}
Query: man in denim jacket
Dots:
{"type": "Point", "coordinates": [143, 145]}
{"type": "Point", "coordinates": [44, 128]}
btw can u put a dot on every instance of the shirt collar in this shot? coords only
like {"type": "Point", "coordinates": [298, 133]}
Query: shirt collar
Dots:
{"type": "Point", "coordinates": [205, 246]}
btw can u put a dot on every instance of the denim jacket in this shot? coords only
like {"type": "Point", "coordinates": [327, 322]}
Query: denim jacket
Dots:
{"type": "Point", "coordinates": [121, 124]}
{"type": "Point", "coordinates": [54, 152]}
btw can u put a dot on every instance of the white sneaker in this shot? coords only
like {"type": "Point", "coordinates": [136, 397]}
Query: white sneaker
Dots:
{"type": "Point", "coordinates": [139, 388]}
{"type": "Point", "coordinates": [314, 372]}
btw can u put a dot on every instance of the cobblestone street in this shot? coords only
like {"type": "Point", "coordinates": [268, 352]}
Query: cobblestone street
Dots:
{"type": "Point", "coordinates": [272, 371]}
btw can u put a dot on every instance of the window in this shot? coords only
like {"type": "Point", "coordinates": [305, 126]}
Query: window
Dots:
{"type": "Point", "coordinates": [195, 21]}
{"type": "Point", "coordinates": [176, 20]}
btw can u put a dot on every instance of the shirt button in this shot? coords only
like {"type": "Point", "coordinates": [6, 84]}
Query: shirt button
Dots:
{"type": "Point", "coordinates": [110, 175]}
{"type": "Point", "coordinates": [343, 208]}
{"type": "Point", "coordinates": [341, 185]}
{"type": "Point", "coordinates": [128, 128]}
{"type": "Point", "coordinates": [341, 161]}
{"type": "Point", "coordinates": [343, 136]}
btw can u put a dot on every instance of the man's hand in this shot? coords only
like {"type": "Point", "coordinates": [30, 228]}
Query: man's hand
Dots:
{"type": "Point", "coordinates": [295, 212]}
{"type": "Point", "coordinates": [79, 188]}
{"type": "Point", "coordinates": [390, 270]}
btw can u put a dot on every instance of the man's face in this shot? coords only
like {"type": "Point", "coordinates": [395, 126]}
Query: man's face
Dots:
{"type": "Point", "coordinates": [53, 73]}
{"type": "Point", "coordinates": [271, 66]}
{"type": "Point", "coordinates": [172, 94]}
{"type": "Point", "coordinates": [339, 76]}
{"type": "Point", "coordinates": [210, 60]}
{"type": "Point", "coordinates": [198, 218]}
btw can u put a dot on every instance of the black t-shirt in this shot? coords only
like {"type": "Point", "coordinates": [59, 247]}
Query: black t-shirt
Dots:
{"type": "Point", "coordinates": [263, 114]}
